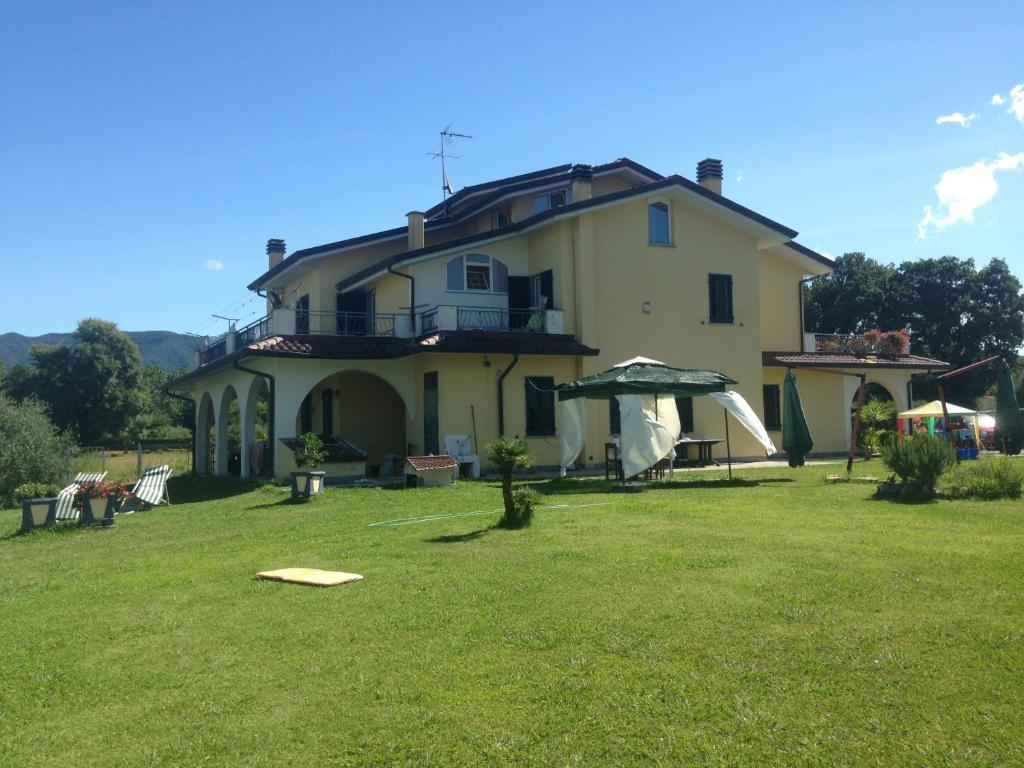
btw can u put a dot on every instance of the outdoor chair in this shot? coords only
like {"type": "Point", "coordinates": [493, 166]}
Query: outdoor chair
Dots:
{"type": "Point", "coordinates": [149, 491]}
{"type": "Point", "coordinates": [66, 498]}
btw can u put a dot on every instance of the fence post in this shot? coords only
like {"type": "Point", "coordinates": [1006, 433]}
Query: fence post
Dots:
{"type": "Point", "coordinates": [138, 459]}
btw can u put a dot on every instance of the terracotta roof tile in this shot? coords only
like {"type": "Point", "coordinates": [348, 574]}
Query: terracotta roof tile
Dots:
{"type": "Point", "coordinates": [831, 360]}
{"type": "Point", "coordinates": [485, 342]}
{"type": "Point", "coordinates": [422, 463]}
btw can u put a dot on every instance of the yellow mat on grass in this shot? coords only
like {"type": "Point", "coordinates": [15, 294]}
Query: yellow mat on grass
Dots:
{"type": "Point", "coordinates": [312, 576]}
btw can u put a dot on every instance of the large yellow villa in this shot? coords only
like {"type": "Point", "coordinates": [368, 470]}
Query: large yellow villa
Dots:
{"type": "Point", "coordinates": [461, 322]}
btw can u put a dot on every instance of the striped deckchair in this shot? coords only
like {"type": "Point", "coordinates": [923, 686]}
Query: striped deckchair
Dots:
{"type": "Point", "coordinates": [149, 491]}
{"type": "Point", "coordinates": [66, 498]}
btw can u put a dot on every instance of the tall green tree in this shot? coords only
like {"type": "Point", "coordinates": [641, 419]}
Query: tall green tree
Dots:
{"type": "Point", "coordinates": [93, 388]}
{"type": "Point", "coordinates": [32, 450]}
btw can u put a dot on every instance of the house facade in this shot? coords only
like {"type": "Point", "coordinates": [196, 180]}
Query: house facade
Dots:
{"type": "Point", "coordinates": [462, 321]}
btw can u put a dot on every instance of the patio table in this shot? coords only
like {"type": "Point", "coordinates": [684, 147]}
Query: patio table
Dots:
{"type": "Point", "coordinates": [703, 451]}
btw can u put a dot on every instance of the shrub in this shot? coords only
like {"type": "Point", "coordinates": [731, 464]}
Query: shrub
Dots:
{"type": "Point", "coordinates": [310, 452]}
{"type": "Point", "coordinates": [997, 478]}
{"type": "Point", "coordinates": [508, 453]}
{"type": "Point", "coordinates": [31, 449]}
{"type": "Point", "coordinates": [918, 461]}
{"type": "Point", "coordinates": [36, 491]}
{"type": "Point", "coordinates": [524, 501]}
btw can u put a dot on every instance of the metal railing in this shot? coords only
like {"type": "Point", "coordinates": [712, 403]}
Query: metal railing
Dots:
{"type": "Point", "coordinates": [856, 344]}
{"type": "Point", "coordinates": [213, 350]}
{"type": "Point", "coordinates": [252, 333]}
{"type": "Point", "coordinates": [497, 319]}
{"type": "Point", "coordinates": [428, 321]}
{"type": "Point", "coordinates": [363, 324]}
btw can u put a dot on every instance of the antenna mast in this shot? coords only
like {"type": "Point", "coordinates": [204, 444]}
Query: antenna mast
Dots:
{"type": "Point", "coordinates": [446, 138]}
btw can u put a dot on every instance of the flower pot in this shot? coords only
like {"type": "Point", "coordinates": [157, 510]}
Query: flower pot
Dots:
{"type": "Point", "coordinates": [36, 513]}
{"type": "Point", "coordinates": [307, 484]}
{"type": "Point", "coordinates": [89, 505]}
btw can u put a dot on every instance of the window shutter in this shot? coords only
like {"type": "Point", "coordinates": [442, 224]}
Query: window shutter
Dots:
{"type": "Point", "coordinates": [456, 274]}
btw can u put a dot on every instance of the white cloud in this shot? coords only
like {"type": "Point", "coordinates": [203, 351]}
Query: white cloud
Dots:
{"type": "Point", "coordinates": [959, 118]}
{"type": "Point", "coordinates": [739, 177]}
{"type": "Point", "coordinates": [214, 265]}
{"type": "Point", "coordinates": [997, 100]}
{"type": "Point", "coordinates": [961, 191]}
{"type": "Point", "coordinates": [1016, 107]}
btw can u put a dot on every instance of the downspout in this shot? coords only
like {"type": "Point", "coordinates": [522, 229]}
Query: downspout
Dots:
{"type": "Point", "coordinates": [412, 297]}
{"type": "Point", "coordinates": [192, 427]}
{"type": "Point", "coordinates": [270, 412]}
{"type": "Point", "coordinates": [501, 394]}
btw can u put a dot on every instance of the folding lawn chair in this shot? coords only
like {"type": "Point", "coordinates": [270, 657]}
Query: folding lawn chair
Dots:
{"type": "Point", "coordinates": [66, 498]}
{"type": "Point", "coordinates": [149, 491]}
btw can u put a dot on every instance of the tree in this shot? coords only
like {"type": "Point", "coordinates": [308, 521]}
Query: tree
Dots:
{"type": "Point", "coordinates": [954, 312]}
{"type": "Point", "coordinates": [32, 450]}
{"type": "Point", "coordinates": [93, 388]}
{"type": "Point", "coordinates": [509, 453]}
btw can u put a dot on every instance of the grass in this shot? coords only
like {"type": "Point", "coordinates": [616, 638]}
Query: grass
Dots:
{"type": "Point", "coordinates": [122, 465]}
{"type": "Point", "coordinates": [777, 620]}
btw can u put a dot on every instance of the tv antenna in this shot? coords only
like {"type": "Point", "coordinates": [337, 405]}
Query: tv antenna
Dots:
{"type": "Point", "coordinates": [231, 320]}
{"type": "Point", "coordinates": [446, 139]}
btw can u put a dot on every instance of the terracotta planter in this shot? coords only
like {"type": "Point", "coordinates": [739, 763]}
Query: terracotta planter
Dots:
{"type": "Point", "coordinates": [307, 484]}
{"type": "Point", "coordinates": [36, 513]}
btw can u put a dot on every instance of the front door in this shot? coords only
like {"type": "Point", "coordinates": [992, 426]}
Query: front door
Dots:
{"type": "Point", "coordinates": [431, 443]}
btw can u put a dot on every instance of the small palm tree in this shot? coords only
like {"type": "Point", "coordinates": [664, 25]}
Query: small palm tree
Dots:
{"type": "Point", "coordinates": [509, 453]}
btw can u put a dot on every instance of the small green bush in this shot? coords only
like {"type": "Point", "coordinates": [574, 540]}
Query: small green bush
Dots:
{"type": "Point", "coordinates": [524, 502]}
{"type": "Point", "coordinates": [996, 478]}
{"type": "Point", "coordinates": [310, 452]}
{"type": "Point", "coordinates": [36, 491]}
{"type": "Point", "coordinates": [31, 448]}
{"type": "Point", "coordinates": [919, 462]}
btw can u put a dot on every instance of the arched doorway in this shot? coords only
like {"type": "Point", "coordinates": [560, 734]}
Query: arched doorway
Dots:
{"type": "Point", "coordinates": [229, 435]}
{"type": "Point", "coordinates": [361, 408]}
{"type": "Point", "coordinates": [256, 459]}
{"type": "Point", "coordinates": [877, 417]}
{"type": "Point", "coordinates": [204, 435]}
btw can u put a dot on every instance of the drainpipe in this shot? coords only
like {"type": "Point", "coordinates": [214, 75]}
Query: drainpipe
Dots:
{"type": "Point", "coordinates": [501, 394]}
{"type": "Point", "coordinates": [270, 412]}
{"type": "Point", "coordinates": [192, 427]}
{"type": "Point", "coordinates": [412, 296]}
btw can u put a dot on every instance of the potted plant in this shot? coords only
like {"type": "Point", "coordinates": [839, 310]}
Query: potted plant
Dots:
{"type": "Point", "coordinates": [872, 339]}
{"type": "Point", "coordinates": [858, 346]}
{"type": "Point", "coordinates": [38, 505]}
{"type": "Point", "coordinates": [309, 456]}
{"type": "Point", "coordinates": [896, 343]}
{"type": "Point", "coordinates": [87, 499]}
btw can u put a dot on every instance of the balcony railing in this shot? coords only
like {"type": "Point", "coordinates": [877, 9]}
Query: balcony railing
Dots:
{"type": "Point", "coordinates": [489, 319]}
{"type": "Point", "coordinates": [213, 350]}
{"type": "Point", "coordinates": [252, 333]}
{"type": "Point", "coordinates": [857, 344]}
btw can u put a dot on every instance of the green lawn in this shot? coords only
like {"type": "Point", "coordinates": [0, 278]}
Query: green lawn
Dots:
{"type": "Point", "coordinates": [781, 622]}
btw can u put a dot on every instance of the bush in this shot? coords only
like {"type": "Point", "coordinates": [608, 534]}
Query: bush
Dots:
{"type": "Point", "coordinates": [310, 452]}
{"type": "Point", "coordinates": [919, 462]}
{"type": "Point", "coordinates": [36, 491]}
{"type": "Point", "coordinates": [508, 454]}
{"type": "Point", "coordinates": [31, 449]}
{"type": "Point", "coordinates": [524, 502]}
{"type": "Point", "coordinates": [1001, 478]}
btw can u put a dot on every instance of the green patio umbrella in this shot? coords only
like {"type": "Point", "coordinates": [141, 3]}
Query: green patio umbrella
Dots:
{"type": "Point", "coordinates": [1009, 422]}
{"type": "Point", "coordinates": [641, 376]}
{"type": "Point", "coordinates": [796, 437]}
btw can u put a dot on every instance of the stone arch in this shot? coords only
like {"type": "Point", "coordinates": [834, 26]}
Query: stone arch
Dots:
{"type": "Point", "coordinates": [204, 422]}
{"type": "Point", "coordinates": [256, 390]}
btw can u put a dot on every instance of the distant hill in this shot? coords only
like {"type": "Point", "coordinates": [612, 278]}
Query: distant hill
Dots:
{"type": "Point", "coordinates": [163, 348]}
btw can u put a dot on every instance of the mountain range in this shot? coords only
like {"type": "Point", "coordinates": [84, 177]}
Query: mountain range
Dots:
{"type": "Point", "coordinates": [166, 349]}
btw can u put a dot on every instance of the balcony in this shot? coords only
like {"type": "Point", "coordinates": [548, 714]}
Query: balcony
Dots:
{"type": "Point", "coordinates": [871, 343]}
{"type": "Point", "coordinates": [290, 322]}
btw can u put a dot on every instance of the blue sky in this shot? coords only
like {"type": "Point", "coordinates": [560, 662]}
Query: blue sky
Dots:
{"type": "Point", "coordinates": [146, 144]}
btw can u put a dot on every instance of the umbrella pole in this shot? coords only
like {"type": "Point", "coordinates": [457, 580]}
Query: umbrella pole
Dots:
{"type": "Point", "coordinates": [945, 422]}
{"type": "Point", "coordinates": [856, 425]}
{"type": "Point", "coordinates": [728, 448]}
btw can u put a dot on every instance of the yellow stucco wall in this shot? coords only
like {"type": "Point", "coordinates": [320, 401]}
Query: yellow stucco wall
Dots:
{"type": "Point", "coordinates": [779, 304]}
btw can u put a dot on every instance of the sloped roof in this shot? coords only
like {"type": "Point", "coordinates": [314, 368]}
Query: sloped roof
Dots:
{"type": "Point", "coordinates": [825, 360]}
{"type": "Point", "coordinates": [426, 463]}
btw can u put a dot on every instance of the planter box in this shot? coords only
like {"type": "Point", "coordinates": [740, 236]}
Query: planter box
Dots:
{"type": "Point", "coordinates": [307, 484]}
{"type": "Point", "coordinates": [37, 513]}
{"type": "Point", "coordinates": [89, 507]}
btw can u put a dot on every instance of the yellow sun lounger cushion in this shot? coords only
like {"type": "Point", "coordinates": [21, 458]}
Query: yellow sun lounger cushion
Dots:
{"type": "Point", "coordinates": [312, 576]}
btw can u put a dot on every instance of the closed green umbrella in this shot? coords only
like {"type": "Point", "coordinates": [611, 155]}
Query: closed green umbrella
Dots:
{"type": "Point", "coordinates": [796, 437]}
{"type": "Point", "coordinates": [1009, 422]}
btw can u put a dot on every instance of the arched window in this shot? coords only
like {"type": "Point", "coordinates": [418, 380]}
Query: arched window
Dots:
{"type": "Point", "coordinates": [477, 272]}
{"type": "Point", "coordinates": [657, 224]}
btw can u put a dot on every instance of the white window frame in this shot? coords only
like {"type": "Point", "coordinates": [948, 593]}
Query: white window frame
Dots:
{"type": "Point", "coordinates": [491, 264]}
{"type": "Point", "coordinates": [566, 191]}
{"type": "Point", "coordinates": [668, 215]}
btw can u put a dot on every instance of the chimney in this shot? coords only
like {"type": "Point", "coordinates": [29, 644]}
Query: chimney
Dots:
{"type": "Point", "coordinates": [415, 229]}
{"type": "Point", "coordinates": [709, 174]}
{"type": "Point", "coordinates": [275, 252]}
{"type": "Point", "coordinates": [581, 176]}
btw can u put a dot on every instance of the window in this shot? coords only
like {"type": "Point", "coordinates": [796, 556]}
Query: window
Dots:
{"type": "Point", "coordinates": [614, 416]}
{"type": "Point", "coordinates": [542, 286]}
{"type": "Point", "coordinates": [477, 272]}
{"type": "Point", "coordinates": [720, 298]}
{"type": "Point", "coordinates": [502, 217]}
{"type": "Point", "coordinates": [306, 415]}
{"type": "Point", "coordinates": [772, 409]}
{"type": "Point", "coordinates": [540, 405]}
{"type": "Point", "coordinates": [657, 224]}
{"type": "Point", "coordinates": [685, 407]}
{"type": "Point", "coordinates": [551, 200]}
